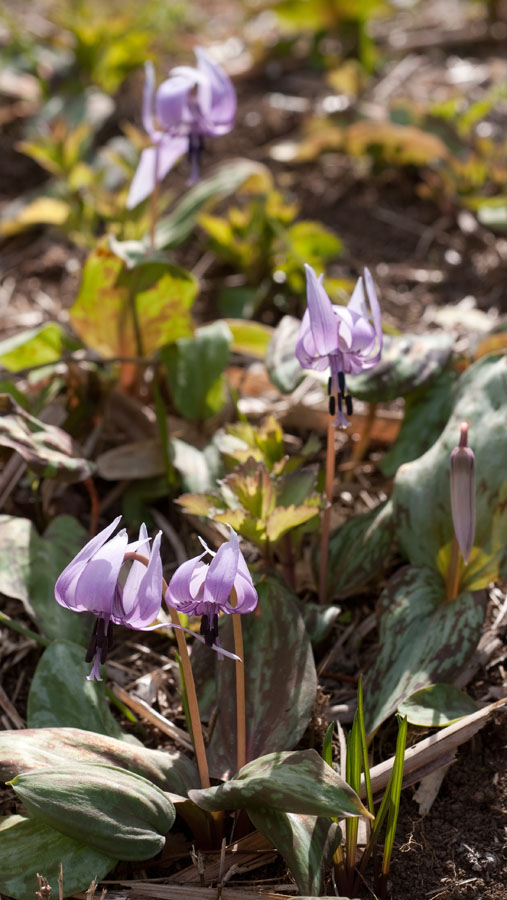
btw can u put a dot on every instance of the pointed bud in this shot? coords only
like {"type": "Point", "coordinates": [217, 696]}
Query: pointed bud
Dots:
{"type": "Point", "coordinates": [463, 493]}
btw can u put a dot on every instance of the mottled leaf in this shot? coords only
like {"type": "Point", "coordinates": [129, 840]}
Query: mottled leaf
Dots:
{"type": "Point", "coordinates": [32, 348]}
{"type": "Point", "coordinates": [408, 362]}
{"type": "Point", "coordinates": [421, 497]}
{"type": "Point", "coordinates": [437, 705]}
{"type": "Point", "coordinates": [282, 364]}
{"type": "Point", "coordinates": [423, 639]}
{"type": "Point", "coordinates": [28, 846]}
{"type": "Point", "coordinates": [358, 550]}
{"type": "Point", "coordinates": [307, 844]}
{"type": "Point", "coordinates": [194, 371]}
{"type": "Point", "coordinates": [280, 680]}
{"type": "Point", "coordinates": [46, 449]}
{"type": "Point", "coordinates": [112, 810]}
{"type": "Point", "coordinates": [29, 567]}
{"type": "Point", "coordinates": [128, 312]}
{"type": "Point", "coordinates": [424, 417]}
{"type": "Point", "coordinates": [61, 695]}
{"type": "Point", "coordinates": [294, 781]}
{"type": "Point", "coordinates": [31, 749]}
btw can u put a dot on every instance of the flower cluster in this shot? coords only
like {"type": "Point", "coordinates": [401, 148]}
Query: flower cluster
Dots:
{"type": "Point", "coordinates": [90, 583]}
{"type": "Point", "coordinates": [347, 339]}
{"type": "Point", "coordinates": [192, 104]}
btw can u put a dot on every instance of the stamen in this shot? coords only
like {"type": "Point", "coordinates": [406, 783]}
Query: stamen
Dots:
{"type": "Point", "coordinates": [330, 384]}
{"type": "Point", "coordinates": [341, 382]}
{"type": "Point", "coordinates": [332, 406]}
{"type": "Point", "coordinates": [348, 403]}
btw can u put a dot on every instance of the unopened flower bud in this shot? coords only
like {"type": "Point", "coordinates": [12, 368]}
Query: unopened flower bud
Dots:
{"type": "Point", "coordinates": [463, 493]}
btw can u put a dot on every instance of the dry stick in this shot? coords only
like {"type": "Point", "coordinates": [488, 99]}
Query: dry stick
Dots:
{"type": "Point", "coordinates": [326, 518]}
{"type": "Point", "coordinates": [452, 580]}
{"type": "Point", "coordinates": [193, 706]}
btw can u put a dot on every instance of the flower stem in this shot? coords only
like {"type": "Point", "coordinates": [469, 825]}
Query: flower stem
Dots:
{"type": "Point", "coordinates": [193, 706]}
{"type": "Point", "coordinates": [240, 692]}
{"type": "Point", "coordinates": [326, 518]}
{"type": "Point", "coordinates": [452, 580]}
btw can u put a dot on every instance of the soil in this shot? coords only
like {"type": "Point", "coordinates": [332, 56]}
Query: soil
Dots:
{"type": "Point", "coordinates": [422, 254]}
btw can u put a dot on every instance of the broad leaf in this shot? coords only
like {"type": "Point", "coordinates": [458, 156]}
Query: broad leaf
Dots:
{"type": "Point", "coordinates": [194, 370]}
{"type": "Point", "coordinates": [280, 680]}
{"type": "Point", "coordinates": [31, 749]}
{"type": "Point", "coordinates": [132, 312]}
{"type": "Point", "coordinates": [112, 810]}
{"type": "Point", "coordinates": [29, 567]}
{"type": "Point", "coordinates": [298, 781]}
{"type": "Point", "coordinates": [437, 705]}
{"type": "Point", "coordinates": [319, 620]}
{"type": "Point", "coordinates": [61, 695]}
{"type": "Point", "coordinates": [421, 498]}
{"type": "Point", "coordinates": [307, 844]}
{"type": "Point", "coordinates": [32, 348]}
{"type": "Point", "coordinates": [28, 846]}
{"type": "Point", "coordinates": [249, 338]}
{"type": "Point", "coordinates": [425, 415]}
{"type": "Point", "coordinates": [408, 362]}
{"type": "Point", "coordinates": [423, 639]}
{"type": "Point", "coordinates": [46, 449]}
{"type": "Point", "coordinates": [358, 550]}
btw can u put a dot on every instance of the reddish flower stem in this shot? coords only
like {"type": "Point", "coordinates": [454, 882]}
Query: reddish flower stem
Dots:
{"type": "Point", "coordinates": [452, 579]}
{"type": "Point", "coordinates": [240, 692]}
{"type": "Point", "coordinates": [193, 706]}
{"type": "Point", "coordinates": [326, 518]}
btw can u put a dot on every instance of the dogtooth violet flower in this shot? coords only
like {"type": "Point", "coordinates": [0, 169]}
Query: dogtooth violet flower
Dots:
{"type": "Point", "coordinates": [348, 339]}
{"type": "Point", "coordinates": [204, 589]}
{"type": "Point", "coordinates": [463, 493]}
{"type": "Point", "coordinates": [90, 584]}
{"type": "Point", "coordinates": [192, 104]}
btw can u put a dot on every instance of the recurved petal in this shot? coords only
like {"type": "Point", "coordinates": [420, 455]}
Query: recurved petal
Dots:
{"type": "Point", "coordinates": [143, 183]}
{"type": "Point", "coordinates": [142, 606]}
{"type": "Point", "coordinates": [217, 97]}
{"type": "Point", "coordinates": [222, 572]}
{"type": "Point", "coordinates": [136, 574]}
{"type": "Point", "coordinates": [171, 100]}
{"type": "Point", "coordinates": [323, 321]}
{"type": "Point", "coordinates": [63, 592]}
{"type": "Point", "coordinates": [94, 590]}
{"type": "Point", "coordinates": [148, 92]}
{"type": "Point", "coordinates": [185, 586]}
{"type": "Point", "coordinates": [245, 590]}
{"type": "Point", "coordinates": [375, 309]}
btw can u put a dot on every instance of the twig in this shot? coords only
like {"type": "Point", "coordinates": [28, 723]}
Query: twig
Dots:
{"type": "Point", "coordinates": [144, 710]}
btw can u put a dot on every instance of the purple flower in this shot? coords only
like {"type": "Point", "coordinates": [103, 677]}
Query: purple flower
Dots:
{"type": "Point", "coordinates": [90, 584]}
{"type": "Point", "coordinates": [204, 589]}
{"type": "Point", "coordinates": [463, 493]}
{"type": "Point", "coordinates": [192, 104]}
{"type": "Point", "coordinates": [348, 339]}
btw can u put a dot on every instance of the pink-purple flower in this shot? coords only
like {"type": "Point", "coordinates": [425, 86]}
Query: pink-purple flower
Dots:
{"type": "Point", "coordinates": [90, 584]}
{"type": "Point", "coordinates": [463, 493]}
{"type": "Point", "coordinates": [192, 104]}
{"type": "Point", "coordinates": [206, 589]}
{"type": "Point", "coordinates": [346, 339]}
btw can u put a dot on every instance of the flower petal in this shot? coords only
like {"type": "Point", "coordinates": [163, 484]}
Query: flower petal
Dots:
{"type": "Point", "coordinates": [217, 97]}
{"type": "Point", "coordinates": [63, 593]}
{"type": "Point", "coordinates": [375, 312]}
{"type": "Point", "coordinates": [222, 572]}
{"type": "Point", "coordinates": [245, 590]}
{"type": "Point", "coordinates": [142, 597]}
{"type": "Point", "coordinates": [94, 590]}
{"type": "Point", "coordinates": [148, 91]}
{"type": "Point", "coordinates": [143, 183]}
{"type": "Point", "coordinates": [184, 588]}
{"type": "Point", "coordinates": [322, 317]}
{"type": "Point", "coordinates": [171, 100]}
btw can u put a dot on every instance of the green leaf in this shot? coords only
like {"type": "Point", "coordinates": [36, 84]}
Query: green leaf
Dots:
{"type": "Point", "coordinates": [32, 348]}
{"type": "Point", "coordinates": [319, 620]}
{"type": "Point", "coordinates": [194, 370]}
{"type": "Point", "coordinates": [131, 312]}
{"type": "Point", "coordinates": [29, 567]}
{"type": "Point", "coordinates": [424, 417]}
{"type": "Point", "coordinates": [437, 705]}
{"type": "Point", "coordinates": [292, 781]}
{"type": "Point", "coordinates": [249, 338]}
{"type": "Point", "coordinates": [408, 362]}
{"type": "Point", "coordinates": [306, 843]}
{"type": "Point", "coordinates": [280, 680]}
{"type": "Point", "coordinates": [110, 809]}
{"type": "Point", "coordinates": [422, 639]}
{"type": "Point", "coordinates": [61, 695]}
{"type": "Point", "coordinates": [358, 550]}
{"type": "Point", "coordinates": [282, 364]}
{"type": "Point", "coordinates": [28, 846]}
{"type": "Point", "coordinates": [46, 449]}
{"type": "Point", "coordinates": [421, 497]}
{"type": "Point", "coordinates": [173, 229]}
{"type": "Point", "coordinates": [31, 749]}
{"type": "Point", "coordinates": [284, 519]}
